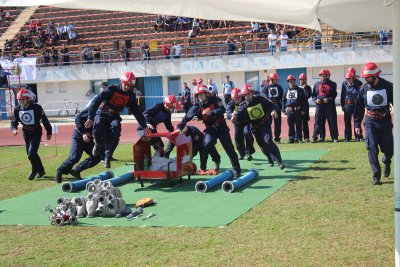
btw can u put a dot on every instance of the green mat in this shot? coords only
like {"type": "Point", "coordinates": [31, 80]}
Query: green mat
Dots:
{"type": "Point", "coordinates": [176, 206]}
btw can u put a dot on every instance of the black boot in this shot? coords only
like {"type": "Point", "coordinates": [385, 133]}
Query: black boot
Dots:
{"type": "Point", "coordinates": [387, 170]}
{"type": "Point", "coordinates": [41, 173]}
{"type": "Point", "coordinates": [281, 165]}
{"type": "Point", "coordinates": [249, 157]}
{"type": "Point", "coordinates": [107, 163]}
{"type": "Point", "coordinates": [75, 173]}
{"type": "Point", "coordinates": [376, 181]}
{"type": "Point", "coordinates": [216, 166]}
{"type": "Point", "coordinates": [58, 176]}
{"type": "Point", "coordinates": [32, 175]}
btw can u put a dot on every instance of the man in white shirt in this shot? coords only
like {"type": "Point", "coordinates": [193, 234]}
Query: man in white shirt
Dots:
{"type": "Point", "coordinates": [283, 41]}
{"type": "Point", "coordinates": [272, 41]}
{"type": "Point", "coordinates": [212, 87]}
{"type": "Point", "coordinates": [176, 50]}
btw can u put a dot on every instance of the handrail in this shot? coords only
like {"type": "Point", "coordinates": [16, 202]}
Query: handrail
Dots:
{"type": "Point", "coordinates": [209, 48]}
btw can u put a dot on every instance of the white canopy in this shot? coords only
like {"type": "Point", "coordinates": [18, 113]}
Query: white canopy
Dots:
{"type": "Point", "coordinates": [345, 15]}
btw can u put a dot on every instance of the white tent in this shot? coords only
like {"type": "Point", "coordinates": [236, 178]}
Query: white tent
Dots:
{"type": "Point", "coordinates": [345, 15]}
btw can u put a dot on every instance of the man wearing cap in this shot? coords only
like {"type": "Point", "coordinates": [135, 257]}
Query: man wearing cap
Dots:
{"type": "Point", "coordinates": [376, 97]}
{"type": "Point", "coordinates": [104, 113]}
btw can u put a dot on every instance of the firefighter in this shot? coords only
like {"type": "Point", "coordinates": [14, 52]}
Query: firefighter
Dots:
{"type": "Point", "coordinates": [257, 111]}
{"type": "Point", "coordinates": [324, 94]}
{"type": "Point", "coordinates": [81, 140]}
{"type": "Point", "coordinates": [348, 98]}
{"type": "Point", "coordinates": [274, 92]}
{"type": "Point", "coordinates": [104, 113]}
{"type": "Point", "coordinates": [376, 96]}
{"type": "Point", "coordinates": [156, 114]}
{"type": "Point", "coordinates": [211, 110]}
{"type": "Point", "coordinates": [244, 139]}
{"type": "Point", "coordinates": [30, 114]}
{"type": "Point", "coordinates": [294, 106]}
{"type": "Point", "coordinates": [305, 118]}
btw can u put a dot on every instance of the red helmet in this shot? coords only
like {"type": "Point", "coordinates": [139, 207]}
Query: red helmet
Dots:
{"type": "Point", "coordinates": [194, 82]}
{"type": "Point", "coordinates": [170, 101]}
{"type": "Point", "coordinates": [128, 78]}
{"type": "Point", "coordinates": [199, 80]}
{"type": "Point", "coordinates": [302, 76]}
{"type": "Point", "coordinates": [26, 94]}
{"type": "Point", "coordinates": [201, 88]}
{"type": "Point", "coordinates": [327, 72]}
{"type": "Point", "coordinates": [290, 77]}
{"type": "Point", "coordinates": [273, 76]}
{"type": "Point", "coordinates": [350, 75]}
{"type": "Point", "coordinates": [235, 93]}
{"type": "Point", "coordinates": [323, 72]}
{"type": "Point", "coordinates": [370, 70]}
{"type": "Point", "coordinates": [247, 89]}
{"type": "Point", "coordinates": [352, 70]}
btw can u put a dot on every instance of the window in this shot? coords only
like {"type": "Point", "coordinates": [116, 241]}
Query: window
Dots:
{"type": "Point", "coordinates": [62, 87]}
{"type": "Point", "coordinates": [49, 88]}
{"type": "Point", "coordinates": [252, 78]}
{"type": "Point", "coordinates": [174, 85]}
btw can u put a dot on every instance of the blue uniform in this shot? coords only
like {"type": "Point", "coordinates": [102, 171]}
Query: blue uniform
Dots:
{"type": "Point", "coordinates": [30, 118]}
{"type": "Point", "coordinates": [104, 111]}
{"type": "Point", "coordinates": [376, 99]}
{"type": "Point", "coordinates": [325, 111]}
{"type": "Point", "coordinates": [187, 99]}
{"type": "Point", "coordinates": [242, 132]}
{"type": "Point", "coordinates": [257, 113]}
{"type": "Point", "coordinates": [348, 98]}
{"type": "Point", "coordinates": [305, 118]}
{"type": "Point", "coordinates": [274, 92]}
{"type": "Point", "coordinates": [155, 115]}
{"type": "Point", "coordinates": [294, 103]}
{"type": "Point", "coordinates": [216, 127]}
{"type": "Point", "coordinates": [78, 146]}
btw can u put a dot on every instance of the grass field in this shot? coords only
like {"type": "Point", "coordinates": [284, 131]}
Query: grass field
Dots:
{"type": "Point", "coordinates": [330, 216]}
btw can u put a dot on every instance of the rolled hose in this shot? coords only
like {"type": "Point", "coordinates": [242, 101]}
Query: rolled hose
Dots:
{"type": "Point", "coordinates": [230, 186]}
{"type": "Point", "coordinates": [203, 186]}
{"type": "Point", "coordinates": [76, 186]}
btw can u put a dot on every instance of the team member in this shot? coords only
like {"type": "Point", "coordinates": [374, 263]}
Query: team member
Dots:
{"type": "Point", "coordinates": [104, 113]}
{"type": "Point", "coordinates": [160, 113]}
{"type": "Point", "coordinates": [376, 96]}
{"type": "Point", "coordinates": [30, 115]}
{"type": "Point", "coordinates": [257, 111]}
{"type": "Point", "coordinates": [243, 138]}
{"type": "Point", "coordinates": [274, 92]}
{"type": "Point", "coordinates": [348, 99]}
{"type": "Point", "coordinates": [305, 118]}
{"type": "Point", "coordinates": [211, 110]}
{"type": "Point", "coordinates": [324, 94]}
{"type": "Point", "coordinates": [294, 105]}
{"type": "Point", "coordinates": [81, 140]}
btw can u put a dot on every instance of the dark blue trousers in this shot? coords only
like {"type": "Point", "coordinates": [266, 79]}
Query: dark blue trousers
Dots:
{"type": "Point", "coordinates": [263, 136]}
{"type": "Point", "coordinates": [244, 140]}
{"type": "Point", "coordinates": [379, 135]}
{"type": "Point", "coordinates": [221, 133]}
{"type": "Point", "coordinates": [106, 141]}
{"type": "Point", "coordinates": [295, 125]}
{"type": "Point", "coordinates": [78, 146]}
{"type": "Point", "coordinates": [277, 126]}
{"type": "Point", "coordinates": [348, 116]}
{"type": "Point", "coordinates": [32, 143]}
{"type": "Point", "coordinates": [306, 130]}
{"type": "Point", "coordinates": [325, 112]}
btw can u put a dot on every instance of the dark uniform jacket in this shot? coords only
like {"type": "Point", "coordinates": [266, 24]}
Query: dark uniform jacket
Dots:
{"type": "Point", "coordinates": [30, 118]}
{"type": "Point", "coordinates": [158, 114]}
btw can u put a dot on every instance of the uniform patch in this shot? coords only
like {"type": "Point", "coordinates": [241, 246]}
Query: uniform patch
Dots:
{"type": "Point", "coordinates": [27, 117]}
{"type": "Point", "coordinates": [256, 112]}
{"type": "Point", "coordinates": [291, 94]}
{"type": "Point", "coordinates": [273, 92]}
{"type": "Point", "coordinates": [377, 98]}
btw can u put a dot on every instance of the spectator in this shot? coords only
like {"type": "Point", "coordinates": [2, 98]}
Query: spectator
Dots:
{"type": "Point", "coordinates": [255, 28]}
{"type": "Point", "coordinates": [22, 53]}
{"type": "Point", "coordinates": [176, 50]}
{"type": "Point", "coordinates": [46, 56]}
{"type": "Point", "coordinates": [65, 55]}
{"type": "Point", "coordinates": [146, 51]}
{"type": "Point", "coordinates": [283, 40]}
{"type": "Point", "coordinates": [196, 27]}
{"type": "Point", "coordinates": [212, 87]}
{"type": "Point", "coordinates": [72, 37]}
{"type": "Point", "coordinates": [32, 27]}
{"type": "Point", "coordinates": [227, 86]}
{"type": "Point", "coordinates": [159, 23]}
{"type": "Point", "coordinates": [87, 54]}
{"type": "Point", "coordinates": [383, 36]}
{"type": "Point", "coordinates": [125, 54]}
{"type": "Point", "coordinates": [54, 55]}
{"type": "Point", "coordinates": [166, 51]}
{"type": "Point", "coordinates": [8, 45]}
{"type": "Point", "coordinates": [230, 43]}
{"type": "Point", "coordinates": [191, 35]}
{"type": "Point", "coordinates": [38, 44]}
{"type": "Point", "coordinates": [97, 54]}
{"type": "Point", "coordinates": [317, 40]}
{"type": "Point", "coordinates": [272, 41]}
{"type": "Point", "coordinates": [7, 16]}
{"type": "Point", "coordinates": [242, 45]}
